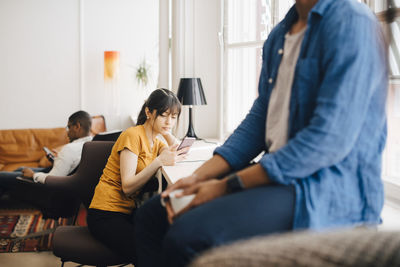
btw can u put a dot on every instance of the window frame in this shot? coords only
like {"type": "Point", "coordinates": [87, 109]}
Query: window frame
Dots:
{"type": "Point", "coordinates": [226, 46]}
{"type": "Point", "coordinates": [392, 190]}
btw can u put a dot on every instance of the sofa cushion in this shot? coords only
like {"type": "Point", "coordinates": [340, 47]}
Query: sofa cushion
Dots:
{"type": "Point", "coordinates": [44, 162]}
{"type": "Point", "coordinates": [357, 247]}
{"type": "Point", "coordinates": [12, 166]}
{"type": "Point", "coordinates": [24, 146]}
{"type": "Point", "coordinates": [98, 125]}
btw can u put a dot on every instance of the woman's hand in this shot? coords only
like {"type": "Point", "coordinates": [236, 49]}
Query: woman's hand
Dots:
{"type": "Point", "coordinates": [204, 192]}
{"type": "Point", "coordinates": [170, 156]}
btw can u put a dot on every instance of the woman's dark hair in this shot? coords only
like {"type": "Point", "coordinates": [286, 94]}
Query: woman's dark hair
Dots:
{"type": "Point", "coordinates": [160, 100]}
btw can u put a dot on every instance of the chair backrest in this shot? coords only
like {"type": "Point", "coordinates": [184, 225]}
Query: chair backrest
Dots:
{"type": "Point", "coordinates": [107, 136]}
{"type": "Point", "coordinates": [98, 125]}
{"type": "Point", "coordinates": [83, 182]}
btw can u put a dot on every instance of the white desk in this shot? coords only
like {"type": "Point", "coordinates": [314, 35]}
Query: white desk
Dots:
{"type": "Point", "coordinates": [198, 154]}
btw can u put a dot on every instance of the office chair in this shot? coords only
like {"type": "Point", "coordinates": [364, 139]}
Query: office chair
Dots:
{"type": "Point", "coordinates": [75, 243]}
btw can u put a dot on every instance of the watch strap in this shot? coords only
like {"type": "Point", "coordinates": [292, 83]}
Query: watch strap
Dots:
{"type": "Point", "coordinates": [234, 183]}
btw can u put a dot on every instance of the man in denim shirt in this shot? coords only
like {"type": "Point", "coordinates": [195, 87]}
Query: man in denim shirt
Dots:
{"type": "Point", "coordinates": [323, 172]}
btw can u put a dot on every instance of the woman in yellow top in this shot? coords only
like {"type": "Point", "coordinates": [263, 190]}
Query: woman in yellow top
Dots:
{"type": "Point", "coordinates": [134, 159]}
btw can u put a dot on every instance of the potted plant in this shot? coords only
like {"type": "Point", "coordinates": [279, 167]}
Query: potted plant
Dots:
{"type": "Point", "coordinates": [143, 73]}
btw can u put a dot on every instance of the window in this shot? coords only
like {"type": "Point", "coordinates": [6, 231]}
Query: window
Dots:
{"type": "Point", "coordinates": [394, 51]}
{"type": "Point", "coordinates": [247, 24]}
{"type": "Point", "coordinates": [394, 35]}
{"type": "Point", "coordinates": [391, 160]}
{"type": "Point", "coordinates": [391, 156]}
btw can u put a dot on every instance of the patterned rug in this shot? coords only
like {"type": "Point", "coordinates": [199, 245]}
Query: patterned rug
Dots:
{"type": "Point", "coordinates": [20, 223]}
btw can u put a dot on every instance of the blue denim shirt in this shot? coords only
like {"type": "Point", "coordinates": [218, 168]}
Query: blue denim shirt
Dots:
{"type": "Point", "coordinates": [337, 121]}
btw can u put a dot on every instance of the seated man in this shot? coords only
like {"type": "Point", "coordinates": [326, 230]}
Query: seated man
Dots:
{"type": "Point", "coordinates": [320, 114]}
{"type": "Point", "coordinates": [66, 160]}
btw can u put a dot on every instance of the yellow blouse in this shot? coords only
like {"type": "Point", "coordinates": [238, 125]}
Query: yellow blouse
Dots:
{"type": "Point", "coordinates": [108, 194]}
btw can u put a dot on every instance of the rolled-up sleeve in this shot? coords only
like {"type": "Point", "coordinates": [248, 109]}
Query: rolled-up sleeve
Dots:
{"type": "Point", "coordinates": [352, 52]}
{"type": "Point", "coordinates": [246, 142]}
{"type": "Point", "coordinates": [40, 177]}
{"type": "Point", "coordinates": [65, 162]}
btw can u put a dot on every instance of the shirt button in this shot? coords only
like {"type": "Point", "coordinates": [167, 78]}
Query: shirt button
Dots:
{"type": "Point", "coordinates": [270, 80]}
{"type": "Point", "coordinates": [280, 51]}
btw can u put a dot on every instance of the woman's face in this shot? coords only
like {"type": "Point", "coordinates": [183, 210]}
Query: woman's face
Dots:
{"type": "Point", "coordinates": [164, 122]}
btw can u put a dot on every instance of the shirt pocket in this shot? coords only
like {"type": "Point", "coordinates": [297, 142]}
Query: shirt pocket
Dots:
{"type": "Point", "coordinates": [307, 80]}
{"type": "Point", "coordinates": [304, 93]}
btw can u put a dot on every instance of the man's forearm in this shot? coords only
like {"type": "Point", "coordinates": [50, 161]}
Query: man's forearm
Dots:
{"type": "Point", "coordinates": [253, 176]}
{"type": "Point", "coordinates": [215, 167]}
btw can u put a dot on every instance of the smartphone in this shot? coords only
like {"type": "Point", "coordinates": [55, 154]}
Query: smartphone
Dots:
{"type": "Point", "coordinates": [49, 155]}
{"type": "Point", "coordinates": [186, 142]}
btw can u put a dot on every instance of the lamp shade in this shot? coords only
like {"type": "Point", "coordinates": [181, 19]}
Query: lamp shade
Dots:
{"type": "Point", "coordinates": [111, 65]}
{"type": "Point", "coordinates": [190, 92]}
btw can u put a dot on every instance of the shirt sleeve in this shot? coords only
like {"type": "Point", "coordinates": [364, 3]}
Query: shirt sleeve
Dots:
{"type": "Point", "coordinates": [65, 162]}
{"type": "Point", "coordinates": [129, 140]}
{"type": "Point", "coordinates": [40, 177]}
{"type": "Point", "coordinates": [344, 96]}
{"type": "Point", "coordinates": [354, 69]}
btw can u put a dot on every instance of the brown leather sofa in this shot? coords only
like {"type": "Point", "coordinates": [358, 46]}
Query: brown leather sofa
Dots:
{"type": "Point", "coordinates": [24, 147]}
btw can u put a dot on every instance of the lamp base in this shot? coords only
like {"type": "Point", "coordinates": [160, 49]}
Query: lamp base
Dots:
{"type": "Point", "coordinates": [190, 132]}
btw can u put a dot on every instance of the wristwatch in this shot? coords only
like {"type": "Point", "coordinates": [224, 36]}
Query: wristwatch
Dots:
{"type": "Point", "coordinates": [234, 184]}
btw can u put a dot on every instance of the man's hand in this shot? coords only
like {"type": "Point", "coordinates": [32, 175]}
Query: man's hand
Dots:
{"type": "Point", "coordinates": [212, 168]}
{"type": "Point", "coordinates": [181, 184]}
{"type": "Point", "coordinates": [27, 172]}
{"type": "Point", "coordinates": [204, 192]}
{"type": "Point", "coordinates": [55, 152]}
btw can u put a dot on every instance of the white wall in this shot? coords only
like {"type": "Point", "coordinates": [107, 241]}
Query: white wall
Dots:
{"type": "Point", "coordinates": [52, 58]}
{"type": "Point", "coordinates": [39, 70]}
{"type": "Point", "coordinates": [207, 58]}
{"type": "Point", "coordinates": [196, 53]}
{"type": "Point", "coordinates": [128, 26]}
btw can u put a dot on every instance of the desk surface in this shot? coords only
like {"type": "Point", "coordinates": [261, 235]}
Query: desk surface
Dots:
{"type": "Point", "coordinates": [198, 154]}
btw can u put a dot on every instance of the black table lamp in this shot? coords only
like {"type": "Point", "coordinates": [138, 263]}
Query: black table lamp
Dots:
{"type": "Point", "coordinates": [190, 93]}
